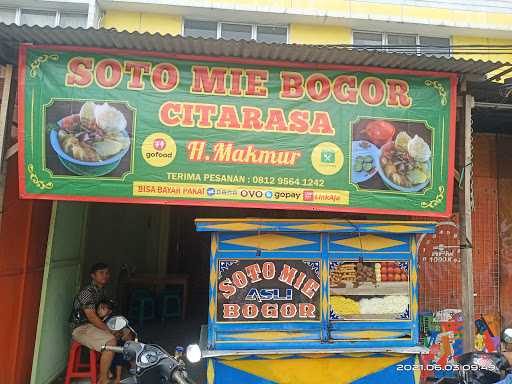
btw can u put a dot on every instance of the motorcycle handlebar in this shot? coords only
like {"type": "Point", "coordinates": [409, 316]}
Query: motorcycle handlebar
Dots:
{"type": "Point", "coordinates": [112, 348]}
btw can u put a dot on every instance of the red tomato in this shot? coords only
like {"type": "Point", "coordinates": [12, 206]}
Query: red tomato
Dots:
{"type": "Point", "coordinates": [68, 122]}
{"type": "Point", "coordinates": [404, 277]}
{"type": "Point", "coordinates": [384, 277]}
{"type": "Point", "coordinates": [397, 270]}
{"type": "Point", "coordinates": [398, 277]}
{"type": "Point", "coordinates": [380, 131]}
{"type": "Point", "coordinates": [384, 270]}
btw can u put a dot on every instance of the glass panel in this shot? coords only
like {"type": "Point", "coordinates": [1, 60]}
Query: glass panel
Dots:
{"type": "Point", "coordinates": [436, 46]}
{"type": "Point", "coordinates": [73, 20]}
{"type": "Point", "coordinates": [367, 38]}
{"type": "Point", "coordinates": [236, 31]}
{"type": "Point", "coordinates": [41, 18]}
{"type": "Point", "coordinates": [271, 34]}
{"type": "Point", "coordinates": [7, 15]}
{"type": "Point", "coordinates": [197, 28]}
{"type": "Point", "coordinates": [402, 40]}
{"type": "Point", "coordinates": [369, 290]}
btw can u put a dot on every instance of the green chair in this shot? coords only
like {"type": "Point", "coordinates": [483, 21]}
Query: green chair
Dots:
{"type": "Point", "coordinates": [170, 304]}
{"type": "Point", "coordinates": [142, 306]}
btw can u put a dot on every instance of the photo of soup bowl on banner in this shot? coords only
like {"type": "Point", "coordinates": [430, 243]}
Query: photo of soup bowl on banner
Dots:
{"type": "Point", "coordinates": [391, 155]}
{"type": "Point", "coordinates": [92, 142]}
{"type": "Point", "coordinates": [405, 163]}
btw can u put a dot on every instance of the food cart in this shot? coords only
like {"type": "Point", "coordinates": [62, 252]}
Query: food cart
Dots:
{"type": "Point", "coordinates": [302, 301]}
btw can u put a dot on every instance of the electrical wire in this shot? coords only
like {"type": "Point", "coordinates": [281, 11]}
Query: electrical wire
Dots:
{"type": "Point", "coordinates": [358, 229]}
{"type": "Point", "coordinates": [468, 49]}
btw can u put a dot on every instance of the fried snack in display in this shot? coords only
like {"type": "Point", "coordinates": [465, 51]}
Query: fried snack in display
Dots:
{"type": "Point", "coordinates": [365, 274]}
{"type": "Point", "coordinates": [343, 273]}
{"type": "Point", "coordinates": [344, 306]}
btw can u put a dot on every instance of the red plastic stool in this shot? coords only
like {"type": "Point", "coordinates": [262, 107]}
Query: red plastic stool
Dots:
{"type": "Point", "coordinates": [75, 365]}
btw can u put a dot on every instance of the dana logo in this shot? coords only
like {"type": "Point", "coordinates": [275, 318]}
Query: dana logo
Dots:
{"type": "Point", "coordinates": [308, 196]}
{"type": "Point", "coordinates": [210, 191]}
{"type": "Point", "coordinates": [268, 194]}
{"type": "Point", "coordinates": [159, 144]}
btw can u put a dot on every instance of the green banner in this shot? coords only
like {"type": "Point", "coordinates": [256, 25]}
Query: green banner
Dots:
{"type": "Point", "coordinates": [107, 125]}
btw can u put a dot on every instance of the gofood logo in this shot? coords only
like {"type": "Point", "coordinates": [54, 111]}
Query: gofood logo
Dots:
{"type": "Point", "coordinates": [159, 149]}
{"type": "Point", "coordinates": [159, 144]}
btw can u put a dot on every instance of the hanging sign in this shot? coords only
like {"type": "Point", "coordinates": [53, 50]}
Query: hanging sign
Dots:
{"type": "Point", "coordinates": [140, 127]}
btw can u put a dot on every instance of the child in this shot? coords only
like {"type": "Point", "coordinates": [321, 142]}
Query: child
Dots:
{"type": "Point", "coordinates": [104, 311]}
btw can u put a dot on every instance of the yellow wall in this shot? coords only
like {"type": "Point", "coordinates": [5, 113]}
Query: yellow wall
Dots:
{"type": "Point", "coordinates": [298, 33]}
{"type": "Point", "coordinates": [150, 22]}
{"type": "Point", "coordinates": [319, 34]}
{"type": "Point", "coordinates": [142, 22]}
{"type": "Point", "coordinates": [466, 40]}
{"type": "Point", "coordinates": [491, 17]}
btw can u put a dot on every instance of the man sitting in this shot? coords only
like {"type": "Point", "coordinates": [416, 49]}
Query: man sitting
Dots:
{"type": "Point", "coordinates": [89, 329]}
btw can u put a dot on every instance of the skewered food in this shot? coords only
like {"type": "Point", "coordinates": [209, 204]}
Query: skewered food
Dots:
{"type": "Point", "coordinates": [365, 274]}
{"type": "Point", "coordinates": [342, 274]}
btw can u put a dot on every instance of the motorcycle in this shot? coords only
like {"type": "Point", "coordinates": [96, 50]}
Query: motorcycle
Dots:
{"type": "Point", "coordinates": [483, 367]}
{"type": "Point", "coordinates": [152, 364]}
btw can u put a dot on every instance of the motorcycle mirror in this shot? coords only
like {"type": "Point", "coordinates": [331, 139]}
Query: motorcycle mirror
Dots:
{"type": "Point", "coordinates": [116, 323]}
{"type": "Point", "coordinates": [507, 335]}
{"type": "Point", "coordinates": [193, 353]}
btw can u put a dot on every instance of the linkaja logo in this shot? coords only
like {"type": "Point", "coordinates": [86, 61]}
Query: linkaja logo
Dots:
{"type": "Point", "coordinates": [159, 144]}
{"type": "Point", "coordinates": [308, 196]}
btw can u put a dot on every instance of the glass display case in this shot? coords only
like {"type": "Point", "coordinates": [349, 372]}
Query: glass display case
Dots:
{"type": "Point", "coordinates": [369, 290]}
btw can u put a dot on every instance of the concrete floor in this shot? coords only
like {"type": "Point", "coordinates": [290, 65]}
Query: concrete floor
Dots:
{"type": "Point", "coordinates": [168, 336]}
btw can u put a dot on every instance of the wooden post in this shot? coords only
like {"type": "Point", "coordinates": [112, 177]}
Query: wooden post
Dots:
{"type": "Point", "coordinates": [465, 213]}
{"type": "Point", "coordinates": [6, 111]}
{"type": "Point", "coordinates": [6, 107]}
